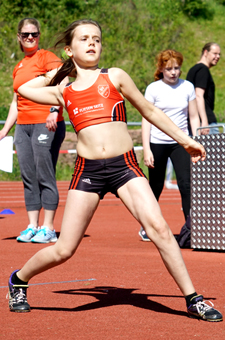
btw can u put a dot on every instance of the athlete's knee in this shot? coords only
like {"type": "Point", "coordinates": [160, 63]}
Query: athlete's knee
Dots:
{"type": "Point", "coordinates": [159, 229]}
{"type": "Point", "coordinates": [162, 230]}
{"type": "Point", "coordinates": [63, 253]}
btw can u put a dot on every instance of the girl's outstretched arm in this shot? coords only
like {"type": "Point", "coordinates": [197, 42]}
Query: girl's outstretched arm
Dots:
{"type": "Point", "coordinates": [38, 90]}
{"type": "Point", "coordinates": [126, 86]}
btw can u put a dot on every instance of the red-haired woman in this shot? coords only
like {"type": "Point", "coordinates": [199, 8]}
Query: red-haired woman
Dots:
{"type": "Point", "coordinates": [176, 98]}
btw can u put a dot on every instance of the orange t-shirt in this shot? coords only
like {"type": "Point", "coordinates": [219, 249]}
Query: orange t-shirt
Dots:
{"type": "Point", "coordinates": [28, 68]}
{"type": "Point", "coordinates": [100, 103]}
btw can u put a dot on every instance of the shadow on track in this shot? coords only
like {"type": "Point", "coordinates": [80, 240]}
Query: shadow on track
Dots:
{"type": "Point", "coordinates": [111, 296]}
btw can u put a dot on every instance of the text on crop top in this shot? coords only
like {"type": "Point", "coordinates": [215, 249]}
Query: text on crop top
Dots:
{"type": "Point", "coordinates": [100, 103]}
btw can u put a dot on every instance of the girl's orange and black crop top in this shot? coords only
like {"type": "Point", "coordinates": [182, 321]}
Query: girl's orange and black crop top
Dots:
{"type": "Point", "coordinates": [100, 103]}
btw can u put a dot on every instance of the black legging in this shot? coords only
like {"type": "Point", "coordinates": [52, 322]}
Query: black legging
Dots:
{"type": "Point", "coordinates": [181, 163]}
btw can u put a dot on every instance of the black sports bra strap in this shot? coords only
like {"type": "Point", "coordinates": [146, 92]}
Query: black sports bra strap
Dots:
{"type": "Point", "coordinates": [104, 70]}
{"type": "Point", "coordinates": [68, 84]}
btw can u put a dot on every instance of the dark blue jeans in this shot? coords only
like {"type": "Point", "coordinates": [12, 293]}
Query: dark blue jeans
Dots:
{"type": "Point", "coordinates": [181, 163]}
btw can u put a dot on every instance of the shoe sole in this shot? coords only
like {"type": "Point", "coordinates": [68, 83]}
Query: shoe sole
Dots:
{"type": "Point", "coordinates": [199, 318]}
{"type": "Point", "coordinates": [53, 241]}
{"type": "Point", "coordinates": [27, 241]}
{"type": "Point", "coordinates": [20, 310]}
{"type": "Point", "coordinates": [144, 239]}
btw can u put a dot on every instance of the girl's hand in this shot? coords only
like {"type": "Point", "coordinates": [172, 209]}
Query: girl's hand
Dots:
{"type": "Point", "coordinates": [51, 121]}
{"type": "Point", "coordinates": [149, 159]}
{"type": "Point", "coordinates": [196, 151]}
{"type": "Point", "coordinates": [2, 134]}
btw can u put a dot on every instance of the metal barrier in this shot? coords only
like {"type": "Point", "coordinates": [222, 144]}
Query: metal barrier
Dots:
{"type": "Point", "coordinates": [222, 125]}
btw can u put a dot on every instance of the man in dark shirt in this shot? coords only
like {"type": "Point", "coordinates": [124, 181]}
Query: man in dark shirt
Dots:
{"type": "Point", "coordinates": [200, 76]}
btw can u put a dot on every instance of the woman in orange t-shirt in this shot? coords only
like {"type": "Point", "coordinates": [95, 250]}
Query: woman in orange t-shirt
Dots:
{"type": "Point", "coordinates": [40, 130]}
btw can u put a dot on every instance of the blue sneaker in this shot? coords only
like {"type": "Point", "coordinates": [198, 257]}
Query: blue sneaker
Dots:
{"type": "Point", "coordinates": [28, 234]}
{"type": "Point", "coordinates": [199, 309]}
{"type": "Point", "coordinates": [143, 235]}
{"type": "Point", "coordinates": [18, 297]}
{"type": "Point", "coordinates": [44, 235]}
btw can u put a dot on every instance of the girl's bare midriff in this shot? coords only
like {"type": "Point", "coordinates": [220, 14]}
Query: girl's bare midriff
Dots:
{"type": "Point", "coordinates": [104, 141]}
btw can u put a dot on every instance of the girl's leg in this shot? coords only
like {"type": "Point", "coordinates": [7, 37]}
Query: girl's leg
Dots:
{"type": "Point", "coordinates": [42, 145]}
{"type": "Point", "coordinates": [46, 145]}
{"type": "Point", "coordinates": [27, 165]}
{"type": "Point", "coordinates": [181, 163]}
{"type": "Point", "coordinates": [140, 201]}
{"type": "Point", "coordinates": [49, 218]}
{"type": "Point", "coordinates": [58, 139]}
{"type": "Point", "coordinates": [33, 217]}
{"type": "Point", "coordinates": [79, 209]}
{"type": "Point", "coordinates": [23, 136]}
{"type": "Point", "coordinates": [157, 174]}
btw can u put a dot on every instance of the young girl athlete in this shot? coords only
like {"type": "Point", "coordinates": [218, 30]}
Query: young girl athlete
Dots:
{"type": "Point", "coordinates": [105, 161]}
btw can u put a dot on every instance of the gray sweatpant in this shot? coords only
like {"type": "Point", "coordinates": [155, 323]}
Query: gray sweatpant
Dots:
{"type": "Point", "coordinates": [37, 151]}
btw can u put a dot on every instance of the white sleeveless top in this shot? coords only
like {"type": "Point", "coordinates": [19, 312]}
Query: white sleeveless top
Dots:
{"type": "Point", "coordinates": [173, 101]}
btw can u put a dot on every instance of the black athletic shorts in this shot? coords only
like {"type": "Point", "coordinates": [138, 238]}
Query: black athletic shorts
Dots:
{"type": "Point", "coordinates": [105, 175]}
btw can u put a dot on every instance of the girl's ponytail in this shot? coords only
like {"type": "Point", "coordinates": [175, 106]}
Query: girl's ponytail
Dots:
{"type": "Point", "coordinates": [68, 69]}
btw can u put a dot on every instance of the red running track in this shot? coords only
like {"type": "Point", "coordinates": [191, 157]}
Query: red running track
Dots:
{"type": "Point", "coordinates": [115, 287]}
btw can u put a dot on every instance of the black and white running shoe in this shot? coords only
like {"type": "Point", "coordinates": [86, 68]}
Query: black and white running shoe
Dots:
{"type": "Point", "coordinates": [143, 235]}
{"type": "Point", "coordinates": [18, 297]}
{"type": "Point", "coordinates": [201, 310]}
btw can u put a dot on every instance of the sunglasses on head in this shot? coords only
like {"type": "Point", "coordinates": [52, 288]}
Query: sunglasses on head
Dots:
{"type": "Point", "coordinates": [26, 34]}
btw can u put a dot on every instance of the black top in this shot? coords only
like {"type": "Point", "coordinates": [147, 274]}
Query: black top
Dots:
{"type": "Point", "coordinates": [200, 76]}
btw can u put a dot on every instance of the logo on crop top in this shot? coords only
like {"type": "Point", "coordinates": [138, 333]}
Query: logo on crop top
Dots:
{"type": "Point", "coordinates": [68, 103]}
{"type": "Point", "coordinates": [75, 111]}
{"type": "Point", "coordinates": [20, 65]}
{"type": "Point", "coordinates": [104, 90]}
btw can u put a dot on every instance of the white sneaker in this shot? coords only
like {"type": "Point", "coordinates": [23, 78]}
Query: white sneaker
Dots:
{"type": "Point", "coordinates": [28, 234]}
{"type": "Point", "coordinates": [170, 185]}
{"type": "Point", "coordinates": [143, 235]}
{"type": "Point", "coordinates": [44, 235]}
